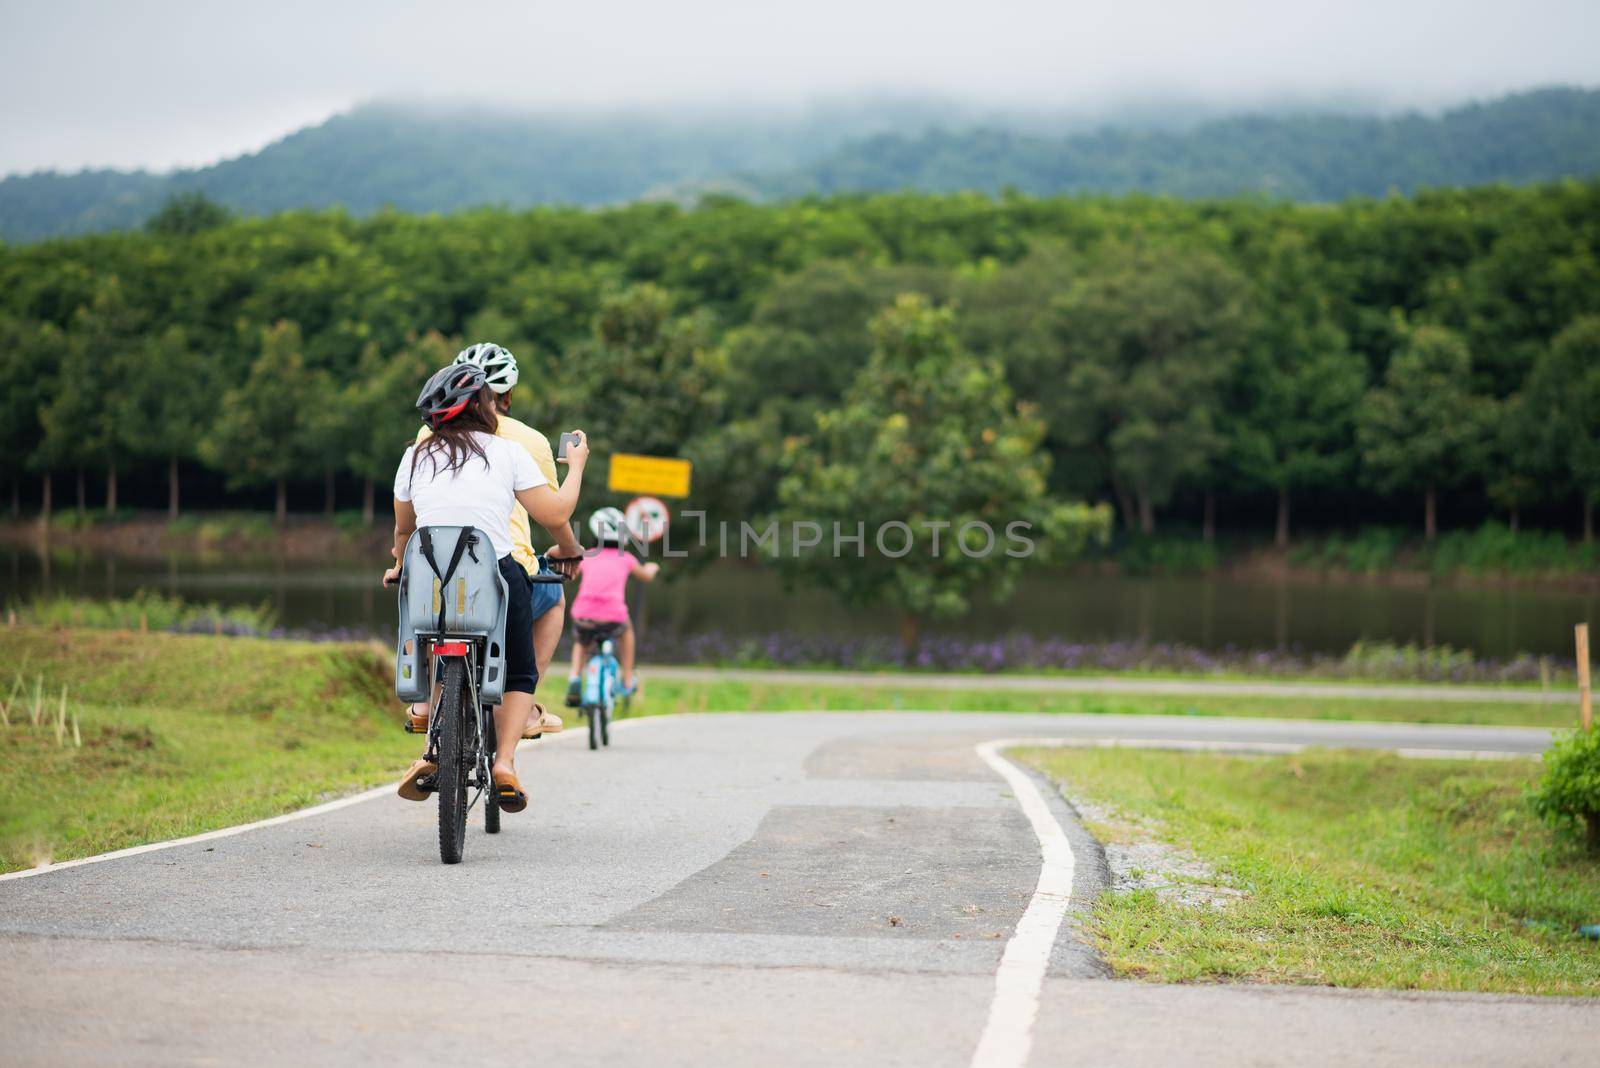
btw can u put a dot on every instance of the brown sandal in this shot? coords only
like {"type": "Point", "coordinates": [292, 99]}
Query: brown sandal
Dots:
{"type": "Point", "coordinates": [508, 792]}
{"type": "Point", "coordinates": [411, 787]}
{"type": "Point", "coordinates": [543, 721]}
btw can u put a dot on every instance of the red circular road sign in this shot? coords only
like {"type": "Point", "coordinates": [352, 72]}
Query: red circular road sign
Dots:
{"type": "Point", "coordinates": [647, 518]}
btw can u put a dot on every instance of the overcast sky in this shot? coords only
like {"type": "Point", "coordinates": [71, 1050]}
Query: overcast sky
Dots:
{"type": "Point", "coordinates": [162, 83]}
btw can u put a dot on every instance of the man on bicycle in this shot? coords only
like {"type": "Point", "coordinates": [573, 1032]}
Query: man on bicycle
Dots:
{"type": "Point", "coordinates": [549, 602]}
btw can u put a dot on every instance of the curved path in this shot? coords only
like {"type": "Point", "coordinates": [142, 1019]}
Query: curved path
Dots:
{"type": "Point", "coordinates": [829, 889]}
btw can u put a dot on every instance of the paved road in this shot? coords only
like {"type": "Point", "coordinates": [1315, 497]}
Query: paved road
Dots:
{"type": "Point", "coordinates": [762, 889]}
{"type": "Point", "coordinates": [1122, 684]}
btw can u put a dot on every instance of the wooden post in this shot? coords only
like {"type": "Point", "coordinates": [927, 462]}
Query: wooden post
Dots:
{"type": "Point", "coordinates": [1585, 708]}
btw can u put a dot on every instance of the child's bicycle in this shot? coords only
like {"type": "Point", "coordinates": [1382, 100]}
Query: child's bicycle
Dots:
{"type": "Point", "coordinates": [452, 654]}
{"type": "Point", "coordinates": [602, 681]}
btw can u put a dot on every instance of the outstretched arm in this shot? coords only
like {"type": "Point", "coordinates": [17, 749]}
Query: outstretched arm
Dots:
{"type": "Point", "coordinates": [553, 510]}
{"type": "Point", "coordinates": [405, 524]}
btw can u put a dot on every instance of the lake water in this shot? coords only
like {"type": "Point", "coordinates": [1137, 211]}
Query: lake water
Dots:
{"type": "Point", "coordinates": [1205, 611]}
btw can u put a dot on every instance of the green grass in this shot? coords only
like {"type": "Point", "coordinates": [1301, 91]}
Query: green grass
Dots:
{"type": "Point", "coordinates": [664, 696]}
{"type": "Point", "coordinates": [186, 734]}
{"type": "Point", "coordinates": [1358, 870]}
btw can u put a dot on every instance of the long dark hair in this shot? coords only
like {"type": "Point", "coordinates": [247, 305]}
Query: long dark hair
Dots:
{"type": "Point", "coordinates": [454, 440]}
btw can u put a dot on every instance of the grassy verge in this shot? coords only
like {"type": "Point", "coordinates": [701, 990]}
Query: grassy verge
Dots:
{"type": "Point", "coordinates": [663, 696]}
{"type": "Point", "coordinates": [185, 734]}
{"type": "Point", "coordinates": [1359, 870]}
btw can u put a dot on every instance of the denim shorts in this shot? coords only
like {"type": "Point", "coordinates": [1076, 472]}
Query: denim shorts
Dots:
{"type": "Point", "coordinates": [544, 595]}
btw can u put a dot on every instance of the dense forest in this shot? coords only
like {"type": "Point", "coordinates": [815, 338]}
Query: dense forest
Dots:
{"type": "Point", "coordinates": [447, 159]}
{"type": "Point", "coordinates": [1433, 358]}
{"type": "Point", "coordinates": [1313, 157]}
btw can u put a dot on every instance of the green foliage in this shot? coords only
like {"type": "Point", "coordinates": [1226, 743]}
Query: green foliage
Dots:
{"type": "Point", "coordinates": [1144, 339]}
{"type": "Point", "coordinates": [1424, 428]}
{"type": "Point", "coordinates": [1569, 789]}
{"type": "Point", "coordinates": [185, 214]}
{"type": "Point", "coordinates": [263, 431]}
{"type": "Point", "coordinates": [1142, 554]}
{"type": "Point", "coordinates": [1564, 389]}
{"type": "Point", "coordinates": [1386, 660]}
{"type": "Point", "coordinates": [147, 609]}
{"type": "Point", "coordinates": [453, 159]}
{"type": "Point", "coordinates": [649, 380]}
{"type": "Point", "coordinates": [927, 433]}
{"type": "Point", "coordinates": [1369, 551]}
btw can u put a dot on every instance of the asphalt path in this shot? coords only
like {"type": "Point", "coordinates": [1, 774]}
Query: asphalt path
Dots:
{"type": "Point", "coordinates": [834, 889]}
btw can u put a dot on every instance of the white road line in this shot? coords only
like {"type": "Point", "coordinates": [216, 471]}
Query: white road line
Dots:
{"type": "Point", "coordinates": [274, 821]}
{"type": "Point", "coordinates": [1008, 1035]}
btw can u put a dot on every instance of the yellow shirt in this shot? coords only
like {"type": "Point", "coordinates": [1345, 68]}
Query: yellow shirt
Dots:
{"type": "Point", "coordinates": [538, 447]}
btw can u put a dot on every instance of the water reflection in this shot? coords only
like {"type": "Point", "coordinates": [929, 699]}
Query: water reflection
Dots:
{"type": "Point", "coordinates": [1210, 612]}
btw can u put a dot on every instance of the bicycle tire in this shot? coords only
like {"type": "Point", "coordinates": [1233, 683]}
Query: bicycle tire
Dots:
{"type": "Point", "coordinates": [592, 714]}
{"type": "Point", "coordinates": [491, 803]}
{"type": "Point", "coordinates": [452, 775]}
{"type": "Point", "coordinates": [605, 725]}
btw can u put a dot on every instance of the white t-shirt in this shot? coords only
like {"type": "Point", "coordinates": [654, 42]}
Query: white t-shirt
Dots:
{"type": "Point", "coordinates": [479, 494]}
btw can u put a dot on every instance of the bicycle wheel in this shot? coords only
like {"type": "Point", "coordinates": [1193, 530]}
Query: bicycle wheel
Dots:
{"type": "Point", "coordinates": [605, 723]}
{"type": "Point", "coordinates": [592, 714]}
{"type": "Point", "coordinates": [453, 761]}
{"type": "Point", "coordinates": [491, 803]}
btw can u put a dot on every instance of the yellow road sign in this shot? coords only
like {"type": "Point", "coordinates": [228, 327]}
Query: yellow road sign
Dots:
{"type": "Point", "coordinates": [663, 476]}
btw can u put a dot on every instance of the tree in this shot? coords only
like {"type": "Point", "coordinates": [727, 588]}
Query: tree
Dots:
{"type": "Point", "coordinates": [1142, 342]}
{"type": "Point", "coordinates": [261, 433]}
{"type": "Point", "coordinates": [1424, 428]}
{"type": "Point", "coordinates": [376, 417]}
{"type": "Point", "coordinates": [1517, 472]}
{"type": "Point", "coordinates": [1564, 391]}
{"type": "Point", "coordinates": [1290, 418]}
{"type": "Point", "coordinates": [927, 436]}
{"type": "Point", "coordinates": [29, 352]}
{"type": "Point", "coordinates": [647, 381]}
{"type": "Point", "coordinates": [166, 403]}
{"type": "Point", "coordinates": [82, 422]}
{"type": "Point", "coordinates": [185, 214]}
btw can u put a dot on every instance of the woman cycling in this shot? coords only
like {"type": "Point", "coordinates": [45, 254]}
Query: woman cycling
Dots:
{"type": "Point", "coordinates": [601, 604]}
{"type": "Point", "coordinates": [463, 475]}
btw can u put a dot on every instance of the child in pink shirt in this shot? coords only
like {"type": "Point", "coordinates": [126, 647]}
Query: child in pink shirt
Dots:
{"type": "Point", "coordinates": [602, 596]}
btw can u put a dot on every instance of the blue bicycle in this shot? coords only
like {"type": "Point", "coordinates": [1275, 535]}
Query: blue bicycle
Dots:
{"type": "Point", "coordinates": [602, 691]}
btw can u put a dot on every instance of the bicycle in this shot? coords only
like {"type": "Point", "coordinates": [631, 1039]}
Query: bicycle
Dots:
{"type": "Point", "coordinates": [452, 654]}
{"type": "Point", "coordinates": [602, 681]}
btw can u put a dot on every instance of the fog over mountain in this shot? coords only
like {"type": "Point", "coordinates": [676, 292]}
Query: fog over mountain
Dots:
{"type": "Point", "coordinates": [447, 157]}
{"type": "Point", "coordinates": [173, 83]}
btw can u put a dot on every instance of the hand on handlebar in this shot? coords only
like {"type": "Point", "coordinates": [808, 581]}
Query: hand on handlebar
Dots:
{"type": "Point", "coordinates": [391, 576]}
{"type": "Point", "coordinates": [565, 566]}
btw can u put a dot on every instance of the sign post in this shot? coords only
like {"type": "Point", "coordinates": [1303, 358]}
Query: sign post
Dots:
{"type": "Point", "coordinates": [1585, 709]}
{"type": "Point", "coordinates": [647, 516]}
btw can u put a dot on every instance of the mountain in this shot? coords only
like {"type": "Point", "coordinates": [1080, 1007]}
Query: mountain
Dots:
{"type": "Point", "coordinates": [431, 158]}
{"type": "Point", "coordinates": [1527, 137]}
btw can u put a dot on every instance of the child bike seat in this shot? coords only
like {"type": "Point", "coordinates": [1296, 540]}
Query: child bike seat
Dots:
{"type": "Point", "coordinates": [450, 587]}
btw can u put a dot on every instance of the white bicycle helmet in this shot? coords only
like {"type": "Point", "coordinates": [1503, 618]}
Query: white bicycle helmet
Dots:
{"type": "Point", "coordinates": [499, 366]}
{"type": "Point", "coordinates": [608, 524]}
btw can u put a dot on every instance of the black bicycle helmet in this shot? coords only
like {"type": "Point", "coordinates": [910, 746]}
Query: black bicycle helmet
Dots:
{"type": "Point", "coordinates": [448, 393]}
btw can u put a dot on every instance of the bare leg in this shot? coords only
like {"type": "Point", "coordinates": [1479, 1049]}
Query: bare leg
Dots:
{"type": "Point", "coordinates": [625, 651]}
{"type": "Point", "coordinates": [547, 635]}
{"type": "Point", "coordinates": [510, 720]}
{"type": "Point", "coordinates": [580, 656]}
